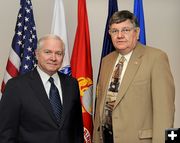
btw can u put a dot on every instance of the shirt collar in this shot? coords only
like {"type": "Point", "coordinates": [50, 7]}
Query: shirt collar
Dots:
{"type": "Point", "coordinates": [45, 77]}
{"type": "Point", "coordinates": [127, 56]}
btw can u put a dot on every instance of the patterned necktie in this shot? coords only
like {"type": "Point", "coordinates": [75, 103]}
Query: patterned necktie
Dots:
{"type": "Point", "coordinates": [111, 94]}
{"type": "Point", "coordinates": [55, 100]}
{"type": "Point", "coordinates": [115, 80]}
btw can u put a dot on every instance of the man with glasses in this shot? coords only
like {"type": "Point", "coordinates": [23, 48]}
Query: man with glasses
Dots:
{"type": "Point", "coordinates": [135, 101]}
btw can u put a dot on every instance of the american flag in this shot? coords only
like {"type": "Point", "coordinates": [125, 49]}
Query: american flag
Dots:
{"type": "Point", "coordinates": [22, 54]}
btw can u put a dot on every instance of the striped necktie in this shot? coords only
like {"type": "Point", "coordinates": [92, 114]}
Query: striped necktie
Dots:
{"type": "Point", "coordinates": [55, 100]}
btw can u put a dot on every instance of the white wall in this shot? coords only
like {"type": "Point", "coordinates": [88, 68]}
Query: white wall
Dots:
{"type": "Point", "coordinates": [161, 19]}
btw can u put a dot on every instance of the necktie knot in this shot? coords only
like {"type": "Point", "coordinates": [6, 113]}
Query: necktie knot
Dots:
{"type": "Point", "coordinates": [122, 60]}
{"type": "Point", "coordinates": [51, 80]}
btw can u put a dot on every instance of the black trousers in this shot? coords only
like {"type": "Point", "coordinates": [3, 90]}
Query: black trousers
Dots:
{"type": "Point", "coordinates": [107, 135]}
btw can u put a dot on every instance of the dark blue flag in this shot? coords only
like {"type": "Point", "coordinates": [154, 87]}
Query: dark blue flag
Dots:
{"type": "Point", "coordinates": [107, 43]}
{"type": "Point", "coordinates": [138, 12]}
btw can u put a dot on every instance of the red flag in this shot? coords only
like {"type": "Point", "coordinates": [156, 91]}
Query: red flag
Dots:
{"type": "Point", "coordinates": [82, 68]}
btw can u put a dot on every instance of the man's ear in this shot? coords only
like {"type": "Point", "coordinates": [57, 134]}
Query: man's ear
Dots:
{"type": "Point", "coordinates": [109, 32]}
{"type": "Point", "coordinates": [137, 32]}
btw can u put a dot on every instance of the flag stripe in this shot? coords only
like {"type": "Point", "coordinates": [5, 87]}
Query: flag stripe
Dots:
{"type": "Point", "coordinates": [6, 77]}
{"type": "Point", "coordinates": [11, 69]}
{"type": "Point", "coordinates": [2, 88]}
{"type": "Point", "coordinates": [12, 57]}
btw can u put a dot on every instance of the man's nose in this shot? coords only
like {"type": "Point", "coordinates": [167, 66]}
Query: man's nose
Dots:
{"type": "Point", "coordinates": [120, 34]}
{"type": "Point", "coordinates": [53, 56]}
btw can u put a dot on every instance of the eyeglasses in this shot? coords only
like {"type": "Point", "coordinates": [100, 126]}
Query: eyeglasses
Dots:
{"type": "Point", "coordinates": [125, 30]}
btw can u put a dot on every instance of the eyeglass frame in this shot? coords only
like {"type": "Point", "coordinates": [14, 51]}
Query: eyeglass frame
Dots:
{"type": "Point", "coordinates": [124, 30]}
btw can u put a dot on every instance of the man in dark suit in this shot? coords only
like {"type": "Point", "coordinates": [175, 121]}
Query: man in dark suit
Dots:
{"type": "Point", "coordinates": [135, 104]}
{"type": "Point", "coordinates": [26, 113]}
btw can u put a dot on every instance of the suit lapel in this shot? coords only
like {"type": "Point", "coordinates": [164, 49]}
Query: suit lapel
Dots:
{"type": "Point", "coordinates": [40, 93]}
{"type": "Point", "coordinates": [106, 77]}
{"type": "Point", "coordinates": [131, 70]}
{"type": "Point", "coordinates": [66, 100]}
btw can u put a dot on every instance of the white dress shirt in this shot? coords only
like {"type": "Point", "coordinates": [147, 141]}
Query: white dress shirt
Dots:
{"type": "Point", "coordinates": [127, 58]}
{"type": "Point", "coordinates": [45, 79]}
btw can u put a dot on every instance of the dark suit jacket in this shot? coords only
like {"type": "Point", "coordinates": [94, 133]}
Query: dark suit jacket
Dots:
{"type": "Point", "coordinates": [26, 115]}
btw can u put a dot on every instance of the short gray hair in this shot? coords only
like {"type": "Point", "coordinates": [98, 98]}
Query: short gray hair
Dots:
{"type": "Point", "coordinates": [49, 36]}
